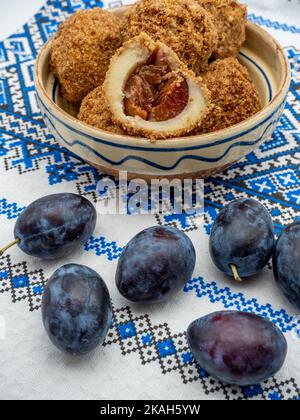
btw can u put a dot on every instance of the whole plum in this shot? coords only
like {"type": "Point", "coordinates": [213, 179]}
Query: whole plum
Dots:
{"type": "Point", "coordinates": [76, 309]}
{"type": "Point", "coordinates": [155, 265]}
{"type": "Point", "coordinates": [236, 347]}
{"type": "Point", "coordinates": [286, 263]}
{"type": "Point", "coordinates": [242, 238]}
{"type": "Point", "coordinates": [55, 225]}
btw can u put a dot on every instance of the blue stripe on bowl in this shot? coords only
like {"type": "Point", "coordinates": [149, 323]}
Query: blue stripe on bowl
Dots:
{"type": "Point", "coordinates": [153, 149]}
{"type": "Point", "coordinates": [262, 72]}
{"type": "Point", "coordinates": [154, 164]}
{"type": "Point", "coordinates": [182, 149]}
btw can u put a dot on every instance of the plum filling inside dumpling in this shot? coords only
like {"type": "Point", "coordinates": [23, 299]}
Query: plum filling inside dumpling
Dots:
{"type": "Point", "coordinates": [151, 93]}
{"type": "Point", "coordinates": [154, 92]}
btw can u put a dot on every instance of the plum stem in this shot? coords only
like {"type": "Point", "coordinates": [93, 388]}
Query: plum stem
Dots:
{"type": "Point", "coordinates": [235, 273]}
{"type": "Point", "coordinates": [15, 242]}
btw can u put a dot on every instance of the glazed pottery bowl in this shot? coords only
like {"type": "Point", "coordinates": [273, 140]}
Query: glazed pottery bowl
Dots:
{"type": "Point", "coordinates": [185, 157]}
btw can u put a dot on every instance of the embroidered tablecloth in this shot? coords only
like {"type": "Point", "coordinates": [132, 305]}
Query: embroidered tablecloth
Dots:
{"type": "Point", "coordinates": [145, 354]}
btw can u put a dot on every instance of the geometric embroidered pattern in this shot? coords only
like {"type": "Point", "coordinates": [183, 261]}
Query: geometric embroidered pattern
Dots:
{"type": "Point", "coordinates": [271, 24]}
{"type": "Point", "coordinates": [21, 283]}
{"type": "Point", "coordinates": [10, 210]}
{"type": "Point", "coordinates": [156, 343]}
{"type": "Point", "coordinates": [237, 301]}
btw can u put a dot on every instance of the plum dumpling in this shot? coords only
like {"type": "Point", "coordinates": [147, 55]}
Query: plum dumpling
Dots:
{"type": "Point", "coordinates": [151, 93]}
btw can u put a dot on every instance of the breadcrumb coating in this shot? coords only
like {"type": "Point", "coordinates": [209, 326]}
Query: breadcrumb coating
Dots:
{"type": "Point", "coordinates": [82, 49]}
{"type": "Point", "coordinates": [194, 32]}
{"type": "Point", "coordinates": [182, 25]}
{"type": "Point", "coordinates": [229, 17]}
{"type": "Point", "coordinates": [95, 112]}
{"type": "Point", "coordinates": [233, 94]}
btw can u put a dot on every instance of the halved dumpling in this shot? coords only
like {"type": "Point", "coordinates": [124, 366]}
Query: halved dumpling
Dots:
{"type": "Point", "coordinates": [151, 93]}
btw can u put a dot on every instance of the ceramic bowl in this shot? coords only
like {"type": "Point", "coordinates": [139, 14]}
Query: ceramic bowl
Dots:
{"type": "Point", "coordinates": [185, 157]}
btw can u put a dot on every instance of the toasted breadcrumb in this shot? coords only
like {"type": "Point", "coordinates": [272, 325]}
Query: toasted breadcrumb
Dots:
{"type": "Point", "coordinates": [233, 94]}
{"type": "Point", "coordinates": [229, 17]}
{"type": "Point", "coordinates": [95, 112]}
{"type": "Point", "coordinates": [81, 51]}
{"type": "Point", "coordinates": [182, 25]}
{"type": "Point", "coordinates": [197, 30]}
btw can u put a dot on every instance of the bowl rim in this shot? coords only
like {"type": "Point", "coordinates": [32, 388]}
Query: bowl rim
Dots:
{"type": "Point", "coordinates": [231, 132]}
